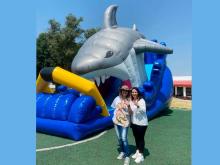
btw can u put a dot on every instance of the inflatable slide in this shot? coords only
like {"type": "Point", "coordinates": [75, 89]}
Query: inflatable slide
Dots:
{"type": "Point", "coordinates": [113, 56]}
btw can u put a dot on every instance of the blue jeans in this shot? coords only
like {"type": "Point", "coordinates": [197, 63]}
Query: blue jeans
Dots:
{"type": "Point", "coordinates": [122, 135]}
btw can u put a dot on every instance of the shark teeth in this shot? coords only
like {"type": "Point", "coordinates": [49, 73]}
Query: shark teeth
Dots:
{"type": "Point", "coordinates": [103, 79]}
{"type": "Point", "coordinates": [97, 79]}
{"type": "Point", "coordinates": [100, 79]}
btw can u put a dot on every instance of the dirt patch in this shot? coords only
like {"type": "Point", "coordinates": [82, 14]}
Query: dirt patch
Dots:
{"type": "Point", "coordinates": [177, 103]}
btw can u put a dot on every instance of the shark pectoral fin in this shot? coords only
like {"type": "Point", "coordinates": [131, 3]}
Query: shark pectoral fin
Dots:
{"type": "Point", "coordinates": [142, 45]}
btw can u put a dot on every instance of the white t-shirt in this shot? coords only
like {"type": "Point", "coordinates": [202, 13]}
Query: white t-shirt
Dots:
{"type": "Point", "coordinates": [115, 102]}
{"type": "Point", "coordinates": [139, 116]}
{"type": "Point", "coordinates": [121, 116]}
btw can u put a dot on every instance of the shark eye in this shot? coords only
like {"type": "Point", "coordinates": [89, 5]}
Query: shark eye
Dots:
{"type": "Point", "coordinates": [109, 54]}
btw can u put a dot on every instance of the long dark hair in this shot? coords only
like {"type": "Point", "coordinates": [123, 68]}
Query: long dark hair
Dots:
{"type": "Point", "coordinates": [138, 91]}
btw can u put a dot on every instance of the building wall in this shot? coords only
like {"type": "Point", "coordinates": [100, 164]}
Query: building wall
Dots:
{"type": "Point", "coordinates": [182, 86]}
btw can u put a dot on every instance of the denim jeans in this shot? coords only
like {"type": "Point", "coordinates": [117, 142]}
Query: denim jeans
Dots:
{"type": "Point", "coordinates": [122, 135]}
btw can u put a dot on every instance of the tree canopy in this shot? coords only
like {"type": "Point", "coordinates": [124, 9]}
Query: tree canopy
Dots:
{"type": "Point", "coordinates": [59, 45]}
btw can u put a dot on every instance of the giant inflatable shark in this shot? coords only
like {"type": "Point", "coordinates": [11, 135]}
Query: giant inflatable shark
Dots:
{"type": "Point", "coordinates": [115, 51]}
{"type": "Point", "coordinates": [108, 57]}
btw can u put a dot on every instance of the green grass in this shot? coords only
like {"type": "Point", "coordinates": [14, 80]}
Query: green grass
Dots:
{"type": "Point", "coordinates": [168, 142]}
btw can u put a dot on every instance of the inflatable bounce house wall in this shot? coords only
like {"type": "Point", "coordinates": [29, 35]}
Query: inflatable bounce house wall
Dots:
{"type": "Point", "coordinates": [111, 57]}
{"type": "Point", "coordinates": [69, 115]}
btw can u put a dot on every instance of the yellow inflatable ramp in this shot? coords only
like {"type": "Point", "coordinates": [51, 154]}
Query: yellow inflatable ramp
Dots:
{"type": "Point", "coordinates": [71, 80]}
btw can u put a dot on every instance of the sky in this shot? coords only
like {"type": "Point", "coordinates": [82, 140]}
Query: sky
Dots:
{"type": "Point", "coordinates": [169, 21]}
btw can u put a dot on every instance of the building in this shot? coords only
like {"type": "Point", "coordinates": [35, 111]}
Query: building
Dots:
{"type": "Point", "coordinates": [182, 86]}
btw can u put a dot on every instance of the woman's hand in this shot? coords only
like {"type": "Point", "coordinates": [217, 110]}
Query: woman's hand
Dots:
{"type": "Point", "coordinates": [122, 105]}
{"type": "Point", "coordinates": [125, 104]}
{"type": "Point", "coordinates": [119, 106]}
{"type": "Point", "coordinates": [136, 103]}
{"type": "Point", "coordinates": [129, 109]}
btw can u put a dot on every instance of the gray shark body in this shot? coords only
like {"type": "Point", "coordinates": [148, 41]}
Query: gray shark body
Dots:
{"type": "Point", "coordinates": [115, 51]}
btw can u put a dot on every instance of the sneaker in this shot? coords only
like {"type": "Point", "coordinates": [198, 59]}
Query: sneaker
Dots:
{"type": "Point", "coordinates": [139, 159]}
{"type": "Point", "coordinates": [135, 155]}
{"type": "Point", "coordinates": [121, 155]}
{"type": "Point", "coordinates": [126, 161]}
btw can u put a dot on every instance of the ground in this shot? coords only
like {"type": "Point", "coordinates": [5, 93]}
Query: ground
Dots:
{"type": "Point", "coordinates": [168, 142]}
{"type": "Point", "coordinates": [177, 103]}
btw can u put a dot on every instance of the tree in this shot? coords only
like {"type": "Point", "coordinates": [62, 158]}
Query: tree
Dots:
{"type": "Point", "coordinates": [59, 45]}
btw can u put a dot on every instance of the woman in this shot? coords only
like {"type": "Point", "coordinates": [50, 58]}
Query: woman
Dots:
{"type": "Point", "coordinates": [121, 121]}
{"type": "Point", "coordinates": [139, 122]}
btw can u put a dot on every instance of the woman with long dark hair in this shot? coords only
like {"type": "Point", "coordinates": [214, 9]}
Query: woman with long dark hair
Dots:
{"type": "Point", "coordinates": [139, 122]}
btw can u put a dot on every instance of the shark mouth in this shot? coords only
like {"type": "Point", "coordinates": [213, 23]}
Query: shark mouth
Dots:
{"type": "Point", "coordinates": [108, 86]}
{"type": "Point", "coordinates": [130, 72]}
{"type": "Point", "coordinates": [101, 76]}
{"type": "Point", "coordinates": [132, 68]}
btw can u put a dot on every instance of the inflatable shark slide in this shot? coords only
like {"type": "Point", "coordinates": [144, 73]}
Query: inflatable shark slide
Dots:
{"type": "Point", "coordinates": [111, 57]}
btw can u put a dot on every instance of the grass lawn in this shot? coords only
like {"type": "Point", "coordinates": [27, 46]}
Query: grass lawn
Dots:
{"type": "Point", "coordinates": [168, 142]}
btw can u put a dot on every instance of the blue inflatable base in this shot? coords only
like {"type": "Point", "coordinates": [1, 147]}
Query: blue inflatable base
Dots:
{"type": "Point", "coordinates": [72, 130]}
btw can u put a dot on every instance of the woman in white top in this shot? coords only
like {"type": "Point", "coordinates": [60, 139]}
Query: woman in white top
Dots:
{"type": "Point", "coordinates": [139, 122]}
{"type": "Point", "coordinates": [121, 121]}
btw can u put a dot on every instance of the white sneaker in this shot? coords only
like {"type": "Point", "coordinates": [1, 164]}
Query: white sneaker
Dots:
{"type": "Point", "coordinates": [135, 155]}
{"type": "Point", "coordinates": [127, 161]}
{"type": "Point", "coordinates": [121, 155]}
{"type": "Point", "coordinates": [139, 159]}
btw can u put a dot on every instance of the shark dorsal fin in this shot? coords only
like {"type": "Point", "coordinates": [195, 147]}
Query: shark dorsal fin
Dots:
{"type": "Point", "coordinates": [143, 45]}
{"type": "Point", "coordinates": [110, 17]}
{"type": "Point", "coordinates": [134, 27]}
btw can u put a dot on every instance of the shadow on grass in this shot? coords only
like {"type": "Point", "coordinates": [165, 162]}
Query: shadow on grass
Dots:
{"type": "Point", "coordinates": [132, 150]}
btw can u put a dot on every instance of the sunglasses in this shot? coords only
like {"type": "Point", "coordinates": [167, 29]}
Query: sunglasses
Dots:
{"type": "Point", "coordinates": [125, 90]}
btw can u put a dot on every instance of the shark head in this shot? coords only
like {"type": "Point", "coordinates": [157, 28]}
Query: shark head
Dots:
{"type": "Point", "coordinates": [115, 51]}
{"type": "Point", "coordinates": [107, 48]}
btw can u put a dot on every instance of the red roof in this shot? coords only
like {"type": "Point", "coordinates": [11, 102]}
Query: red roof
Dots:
{"type": "Point", "coordinates": [184, 83]}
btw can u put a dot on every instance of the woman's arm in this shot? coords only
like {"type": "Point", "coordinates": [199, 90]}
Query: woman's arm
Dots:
{"type": "Point", "coordinates": [141, 106]}
{"type": "Point", "coordinates": [115, 102]}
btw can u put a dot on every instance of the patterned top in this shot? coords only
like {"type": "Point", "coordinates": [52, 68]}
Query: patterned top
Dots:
{"type": "Point", "coordinates": [121, 114]}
